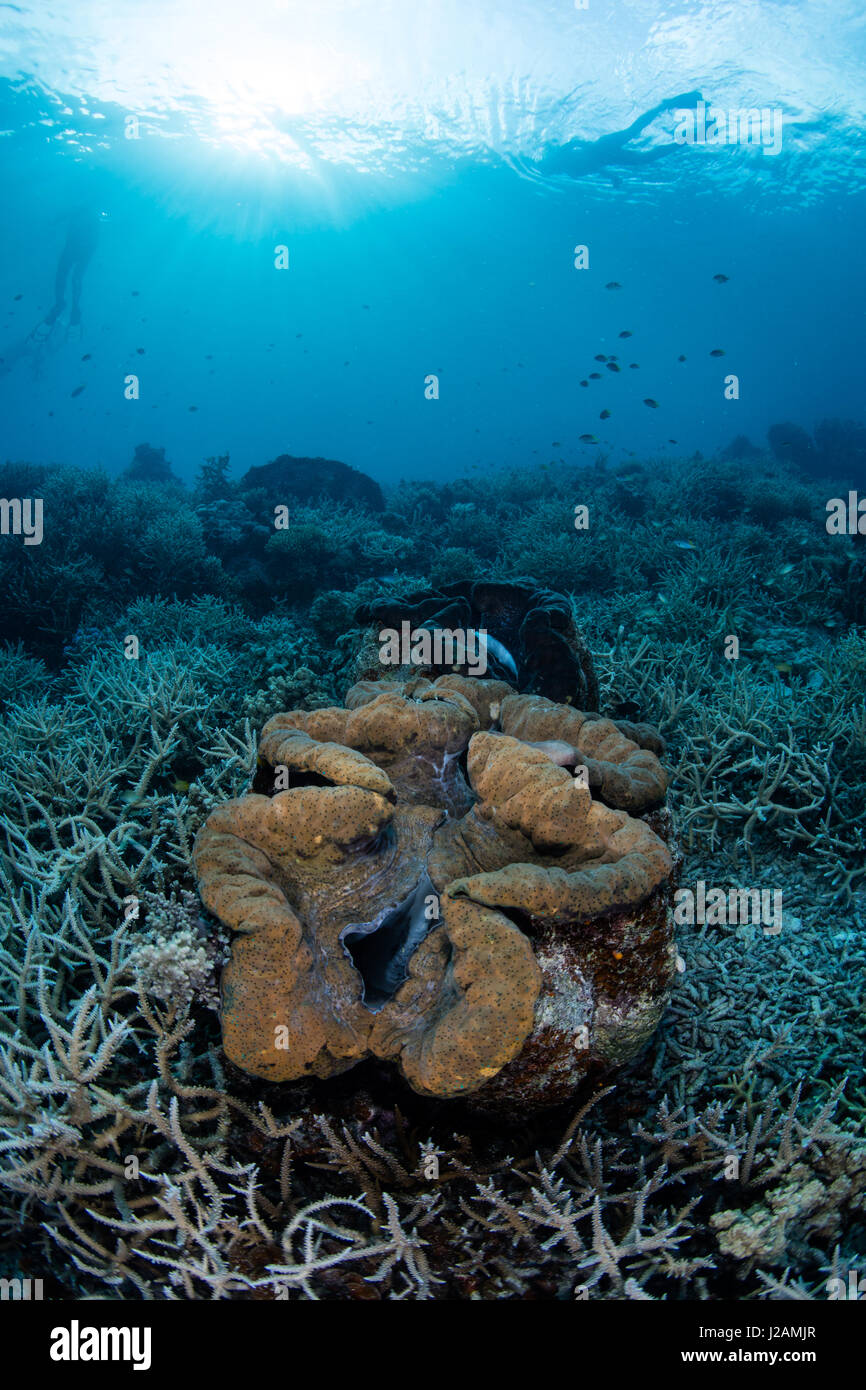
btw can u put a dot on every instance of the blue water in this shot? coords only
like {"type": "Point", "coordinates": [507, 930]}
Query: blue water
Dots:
{"type": "Point", "coordinates": [419, 239]}
{"type": "Point", "coordinates": [419, 163]}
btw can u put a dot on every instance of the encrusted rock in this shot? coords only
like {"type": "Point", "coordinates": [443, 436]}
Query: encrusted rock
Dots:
{"type": "Point", "coordinates": [535, 642]}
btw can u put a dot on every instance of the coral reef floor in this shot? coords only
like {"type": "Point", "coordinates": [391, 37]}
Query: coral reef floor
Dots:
{"type": "Point", "coordinates": [728, 1162]}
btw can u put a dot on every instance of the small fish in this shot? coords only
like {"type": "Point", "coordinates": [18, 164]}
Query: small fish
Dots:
{"type": "Point", "coordinates": [720, 279]}
{"type": "Point", "coordinates": [626, 333]}
{"type": "Point", "coordinates": [556, 444]}
{"type": "Point", "coordinates": [595, 376]}
{"type": "Point", "coordinates": [179, 785]}
{"type": "Point", "coordinates": [673, 441]}
{"type": "Point", "coordinates": [192, 407]}
{"type": "Point", "coordinates": [653, 405]}
{"type": "Point", "coordinates": [365, 306]}
{"type": "Point", "coordinates": [612, 366]}
{"type": "Point", "coordinates": [685, 545]}
{"type": "Point", "coordinates": [17, 297]}
{"type": "Point", "coordinates": [345, 364]}
{"type": "Point", "coordinates": [588, 439]}
{"type": "Point", "coordinates": [783, 667]}
{"type": "Point", "coordinates": [86, 357]}
{"type": "Point", "coordinates": [77, 392]}
{"type": "Point", "coordinates": [299, 335]}
{"type": "Point", "coordinates": [140, 351]}
{"type": "Point", "coordinates": [605, 415]}
{"type": "Point", "coordinates": [613, 285]}
{"type": "Point", "coordinates": [681, 357]}
{"type": "Point", "coordinates": [584, 383]}
{"type": "Point", "coordinates": [600, 357]}
{"type": "Point", "coordinates": [613, 357]}
{"type": "Point", "coordinates": [717, 352]}
{"type": "Point", "coordinates": [634, 366]}
{"type": "Point", "coordinates": [208, 357]}
{"type": "Point", "coordinates": [135, 294]}
{"type": "Point", "coordinates": [786, 569]}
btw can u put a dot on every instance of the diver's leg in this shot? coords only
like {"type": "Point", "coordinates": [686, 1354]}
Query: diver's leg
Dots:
{"type": "Point", "coordinates": [75, 280]}
{"type": "Point", "coordinates": [635, 159]}
{"type": "Point", "coordinates": [608, 149]}
{"type": "Point", "coordinates": [640, 123]}
{"type": "Point", "coordinates": [581, 157]}
{"type": "Point", "coordinates": [60, 278]}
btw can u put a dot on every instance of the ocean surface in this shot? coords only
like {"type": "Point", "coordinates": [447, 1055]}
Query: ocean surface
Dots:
{"type": "Point", "coordinates": [415, 161]}
{"type": "Point", "coordinates": [579, 291]}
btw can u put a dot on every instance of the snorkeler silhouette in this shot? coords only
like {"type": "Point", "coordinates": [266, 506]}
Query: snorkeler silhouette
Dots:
{"type": "Point", "coordinates": [82, 236]}
{"type": "Point", "coordinates": [578, 158]}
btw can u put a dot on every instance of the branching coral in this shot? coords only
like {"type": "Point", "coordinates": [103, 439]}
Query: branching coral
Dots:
{"type": "Point", "coordinates": [331, 1191]}
{"type": "Point", "coordinates": [754, 760]}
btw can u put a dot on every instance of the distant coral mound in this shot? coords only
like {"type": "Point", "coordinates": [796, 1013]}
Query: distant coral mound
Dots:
{"type": "Point", "coordinates": [150, 465]}
{"type": "Point", "coordinates": [842, 445]}
{"type": "Point", "coordinates": [836, 448]}
{"type": "Point", "coordinates": [740, 447]}
{"type": "Point", "coordinates": [306, 479]}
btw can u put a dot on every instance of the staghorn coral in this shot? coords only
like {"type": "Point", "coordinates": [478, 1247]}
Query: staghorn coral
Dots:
{"type": "Point", "coordinates": [230, 1198]}
{"type": "Point", "coordinates": [378, 895]}
{"type": "Point", "coordinates": [753, 760]}
{"type": "Point", "coordinates": [20, 675]}
{"type": "Point", "coordinates": [622, 1206]}
{"type": "Point", "coordinates": [518, 1213]}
